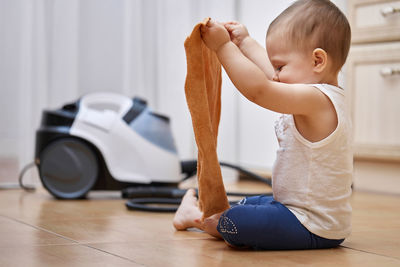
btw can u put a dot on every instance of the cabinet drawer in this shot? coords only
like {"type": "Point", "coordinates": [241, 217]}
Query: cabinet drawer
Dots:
{"type": "Point", "coordinates": [375, 20]}
{"type": "Point", "coordinates": [374, 81]}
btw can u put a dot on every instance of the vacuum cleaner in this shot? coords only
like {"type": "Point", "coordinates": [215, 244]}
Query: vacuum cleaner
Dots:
{"type": "Point", "coordinates": [107, 141]}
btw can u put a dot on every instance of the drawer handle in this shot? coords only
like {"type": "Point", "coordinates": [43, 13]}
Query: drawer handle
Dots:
{"type": "Point", "coordinates": [389, 10]}
{"type": "Point", "coordinates": [385, 72]}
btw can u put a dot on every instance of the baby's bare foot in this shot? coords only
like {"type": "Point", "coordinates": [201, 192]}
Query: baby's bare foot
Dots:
{"type": "Point", "coordinates": [188, 214]}
{"type": "Point", "coordinates": [210, 225]}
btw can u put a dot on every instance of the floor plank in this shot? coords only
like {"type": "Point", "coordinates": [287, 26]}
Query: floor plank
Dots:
{"type": "Point", "coordinates": [101, 231]}
{"type": "Point", "coordinates": [15, 233]}
{"type": "Point", "coordinates": [60, 255]}
{"type": "Point", "coordinates": [210, 252]}
{"type": "Point", "coordinates": [376, 224]}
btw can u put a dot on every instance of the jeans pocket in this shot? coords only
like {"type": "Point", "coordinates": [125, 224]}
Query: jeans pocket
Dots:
{"type": "Point", "coordinates": [226, 225]}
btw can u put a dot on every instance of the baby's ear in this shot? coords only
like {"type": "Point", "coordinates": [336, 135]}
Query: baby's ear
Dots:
{"type": "Point", "coordinates": [320, 59]}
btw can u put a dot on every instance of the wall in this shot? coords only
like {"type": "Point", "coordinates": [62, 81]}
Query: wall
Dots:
{"type": "Point", "coordinates": [52, 52]}
{"type": "Point", "coordinates": [253, 143]}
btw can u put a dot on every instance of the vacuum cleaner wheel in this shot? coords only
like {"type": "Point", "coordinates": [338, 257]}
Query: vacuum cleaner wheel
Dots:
{"type": "Point", "coordinates": [68, 168]}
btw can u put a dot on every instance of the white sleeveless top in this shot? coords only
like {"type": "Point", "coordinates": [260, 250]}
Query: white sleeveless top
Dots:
{"type": "Point", "coordinates": [313, 179]}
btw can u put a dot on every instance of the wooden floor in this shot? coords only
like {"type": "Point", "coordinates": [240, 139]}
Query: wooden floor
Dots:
{"type": "Point", "coordinates": [37, 230]}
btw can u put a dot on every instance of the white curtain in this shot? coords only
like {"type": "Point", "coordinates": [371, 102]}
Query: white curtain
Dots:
{"type": "Point", "coordinates": [62, 49]}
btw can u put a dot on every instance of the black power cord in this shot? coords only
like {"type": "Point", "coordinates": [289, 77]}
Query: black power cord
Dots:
{"type": "Point", "coordinates": [20, 180]}
{"type": "Point", "coordinates": [21, 177]}
{"type": "Point", "coordinates": [161, 199]}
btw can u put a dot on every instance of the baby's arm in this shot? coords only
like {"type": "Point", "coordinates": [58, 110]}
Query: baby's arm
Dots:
{"type": "Point", "coordinates": [250, 47]}
{"type": "Point", "coordinates": [250, 80]}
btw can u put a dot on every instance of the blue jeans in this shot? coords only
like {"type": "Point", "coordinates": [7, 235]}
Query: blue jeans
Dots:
{"type": "Point", "coordinates": [262, 223]}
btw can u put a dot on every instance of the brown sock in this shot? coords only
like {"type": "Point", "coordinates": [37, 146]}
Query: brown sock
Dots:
{"type": "Point", "coordinates": [203, 96]}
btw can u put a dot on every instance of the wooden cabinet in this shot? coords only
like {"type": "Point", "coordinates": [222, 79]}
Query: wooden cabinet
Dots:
{"type": "Point", "coordinates": [374, 95]}
{"type": "Point", "coordinates": [373, 87]}
{"type": "Point", "coordinates": [374, 20]}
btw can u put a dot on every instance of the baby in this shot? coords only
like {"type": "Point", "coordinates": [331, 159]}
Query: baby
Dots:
{"type": "Point", "coordinates": [297, 75]}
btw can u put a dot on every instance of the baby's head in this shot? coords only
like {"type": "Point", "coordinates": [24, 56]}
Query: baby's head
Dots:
{"type": "Point", "coordinates": [313, 24]}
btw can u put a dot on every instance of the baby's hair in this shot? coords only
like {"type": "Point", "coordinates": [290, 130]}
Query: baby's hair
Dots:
{"type": "Point", "coordinates": [310, 24]}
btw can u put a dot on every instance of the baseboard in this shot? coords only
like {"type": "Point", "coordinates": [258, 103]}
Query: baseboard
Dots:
{"type": "Point", "coordinates": [377, 176]}
{"type": "Point", "coordinates": [8, 170]}
{"type": "Point", "coordinates": [369, 176]}
{"type": "Point", "coordinates": [9, 148]}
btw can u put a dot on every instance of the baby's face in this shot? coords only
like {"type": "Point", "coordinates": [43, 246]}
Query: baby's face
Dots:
{"type": "Point", "coordinates": [290, 65]}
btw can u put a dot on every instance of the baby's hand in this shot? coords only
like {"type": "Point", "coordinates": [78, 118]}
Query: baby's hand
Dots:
{"type": "Point", "coordinates": [238, 32]}
{"type": "Point", "coordinates": [214, 35]}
